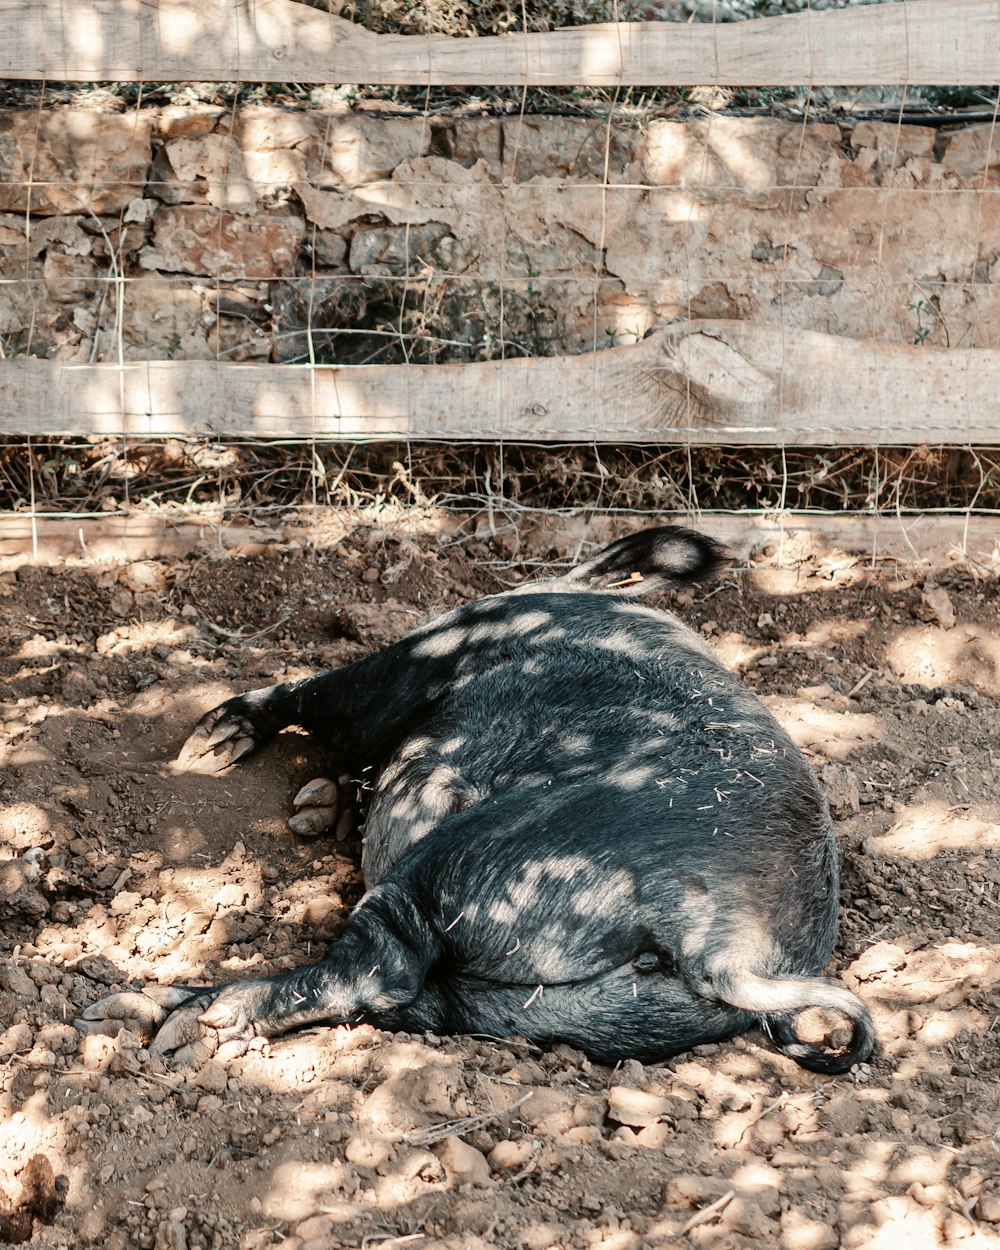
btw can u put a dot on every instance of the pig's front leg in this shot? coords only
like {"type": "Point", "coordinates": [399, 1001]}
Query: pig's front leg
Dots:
{"type": "Point", "coordinates": [238, 726]}
{"type": "Point", "coordinates": [363, 709]}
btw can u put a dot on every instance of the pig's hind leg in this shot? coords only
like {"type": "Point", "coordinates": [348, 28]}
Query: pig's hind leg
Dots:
{"type": "Point", "coordinates": [639, 1011]}
{"type": "Point", "coordinates": [629, 1012]}
{"type": "Point", "coordinates": [377, 965]}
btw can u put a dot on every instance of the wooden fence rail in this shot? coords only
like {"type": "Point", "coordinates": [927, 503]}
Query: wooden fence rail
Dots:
{"type": "Point", "coordinates": [702, 382]}
{"type": "Point", "coordinates": [931, 539]}
{"type": "Point", "coordinates": [910, 41]}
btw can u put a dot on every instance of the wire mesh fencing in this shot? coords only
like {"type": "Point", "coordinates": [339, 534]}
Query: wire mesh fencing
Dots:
{"type": "Point", "coordinates": [606, 297]}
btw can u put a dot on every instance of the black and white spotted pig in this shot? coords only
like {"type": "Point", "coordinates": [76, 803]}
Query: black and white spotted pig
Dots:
{"type": "Point", "coordinates": [582, 828]}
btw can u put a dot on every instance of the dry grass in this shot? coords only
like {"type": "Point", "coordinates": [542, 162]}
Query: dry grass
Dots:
{"type": "Point", "coordinates": [248, 478]}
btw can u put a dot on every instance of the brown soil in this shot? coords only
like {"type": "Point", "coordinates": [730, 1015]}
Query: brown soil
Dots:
{"type": "Point", "coordinates": [114, 871]}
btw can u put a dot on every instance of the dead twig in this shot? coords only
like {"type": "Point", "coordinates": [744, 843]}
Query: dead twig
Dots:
{"type": "Point", "coordinates": [386, 1239]}
{"type": "Point", "coordinates": [759, 1115]}
{"type": "Point", "coordinates": [240, 636]}
{"type": "Point", "coordinates": [466, 1124]}
{"type": "Point", "coordinates": [860, 684]}
{"type": "Point", "coordinates": [708, 1213]}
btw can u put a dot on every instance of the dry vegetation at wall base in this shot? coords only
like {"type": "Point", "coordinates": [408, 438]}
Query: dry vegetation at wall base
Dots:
{"type": "Point", "coordinates": [255, 479]}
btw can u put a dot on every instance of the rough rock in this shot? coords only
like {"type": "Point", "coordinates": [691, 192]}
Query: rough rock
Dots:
{"type": "Point", "coordinates": [636, 1107]}
{"type": "Point", "coordinates": [509, 1156]}
{"type": "Point", "coordinates": [313, 821]}
{"type": "Point", "coordinates": [988, 1207]}
{"type": "Point", "coordinates": [69, 279]}
{"type": "Point", "coordinates": [19, 892]}
{"type": "Point", "coordinates": [222, 245]}
{"type": "Point", "coordinates": [367, 1150]}
{"type": "Point", "coordinates": [570, 148]}
{"type": "Point", "coordinates": [15, 980]}
{"type": "Point", "coordinates": [894, 144]}
{"type": "Point", "coordinates": [360, 150]}
{"type": "Point", "coordinates": [464, 1162]}
{"type": "Point", "coordinates": [972, 152]}
{"type": "Point", "coordinates": [692, 1192]}
{"type": "Point", "coordinates": [842, 789]}
{"type": "Point", "coordinates": [755, 155]}
{"type": "Point", "coordinates": [187, 121]}
{"type": "Point", "coordinates": [935, 605]}
{"type": "Point", "coordinates": [743, 1215]}
{"type": "Point", "coordinates": [71, 161]}
{"type": "Point", "coordinates": [208, 170]}
{"type": "Point", "coordinates": [15, 1040]}
{"type": "Point", "coordinates": [328, 248]}
{"type": "Point", "coordinates": [400, 249]}
{"type": "Point", "coordinates": [801, 1232]}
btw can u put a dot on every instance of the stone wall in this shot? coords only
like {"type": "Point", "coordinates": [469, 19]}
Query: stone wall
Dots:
{"type": "Point", "coordinates": [275, 234]}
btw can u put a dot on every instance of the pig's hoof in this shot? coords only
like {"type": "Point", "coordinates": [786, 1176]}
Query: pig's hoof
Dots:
{"type": "Point", "coordinates": [317, 806]}
{"type": "Point", "coordinates": [187, 1024]}
{"type": "Point", "coordinates": [140, 1011]}
{"type": "Point", "coordinates": [323, 805]}
{"type": "Point", "coordinates": [222, 1021]}
{"type": "Point", "coordinates": [220, 738]}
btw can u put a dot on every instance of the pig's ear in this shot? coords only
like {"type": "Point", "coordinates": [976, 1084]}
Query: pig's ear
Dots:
{"type": "Point", "coordinates": [650, 560]}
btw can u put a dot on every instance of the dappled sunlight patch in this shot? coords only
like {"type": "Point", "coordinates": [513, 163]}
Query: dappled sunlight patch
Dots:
{"type": "Point", "coordinates": [25, 1132]}
{"type": "Point", "coordinates": [869, 1171]}
{"type": "Point", "coordinates": [799, 563]}
{"type": "Point", "coordinates": [828, 632]}
{"type": "Point", "coordinates": [23, 725]}
{"type": "Point", "coordinates": [775, 580]}
{"type": "Point", "coordinates": [926, 829]}
{"type": "Point", "coordinates": [145, 635]}
{"type": "Point", "coordinates": [409, 1099]}
{"type": "Point", "coordinates": [28, 1137]}
{"type": "Point", "coordinates": [27, 753]}
{"type": "Point", "coordinates": [397, 1057]}
{"type": "Point", "coordinates": [968, 654]}
{"type": "Point", "coordinates": [735, 651]}
{"type": "Point", "coordinates": [942, 1027]}
{"type": "Point", "coordinates": [927, 974]}
{"type": "Point", "coordinates": [313, 903]}
{"type": "Point", "coordinates": [195, 914]}
{"type": "Point", "coordinates": [322, 1074]}
{"type": "Point", "coordinates": [835, 734]}
{"type": "Point", "coordinates": [768, 1119]}
{"type": "Point", "coordinates": [924, 1167]}
{"type": "Point", "coordinates": [322, 1067]}
{"type": "Point", "coordinates": [176, 708]}
{"type": "Point", "coordinates": [902, 1220]}
{"type": "Point", "coordinates": [22, 826]}
{"type": "Point", "coordinates": [300, 1188]}
{"type": "Point", "coordinates": [38, 656]}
